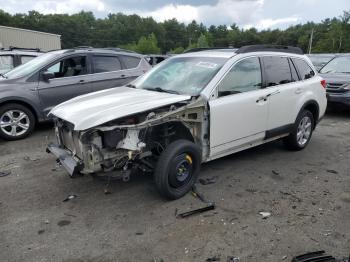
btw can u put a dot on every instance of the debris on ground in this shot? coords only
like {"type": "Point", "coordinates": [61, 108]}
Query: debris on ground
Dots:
{"type": "Point", "coordinates": [208, 180]}
{"type": "Point", "coordinates": [315, 256]}
{"type": "Point", "coordinates": [212, 259]}
{"type": "Point", "coordinates": [275, 172]}
{"type": "Point", "coordinates": [196, 211]}
{"type": "Point", "coordinates": [332, 171]}
{"type": "Point", "coordinates": [28, 158]}
{"type": "Point", "coordinates": [265, 214]}
{"type": "Point", "coordinates": [107, 192]}
{"type": "Point", "coordinates": [284, 257]}
{"type": "Point", "coordinates": [5, 173]}
{"type": "Point", "coordinates": [232, 259]}
{"type": "Point", "coordinates": [198, 195]}
{"type": "Point", "coordinates": [70, 197]}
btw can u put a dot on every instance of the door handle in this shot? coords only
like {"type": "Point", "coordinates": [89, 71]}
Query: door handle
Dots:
{"type": "Point", "coordinates": [273, 93]}
{"type": "Point", "coordinates": [81, 81]}
{"type": "Point", "coordinates": [262, 98]}
{"type": "Point", "coordinates": [122, 76]}
{"type": "Point", "coordinates": [298, 91]}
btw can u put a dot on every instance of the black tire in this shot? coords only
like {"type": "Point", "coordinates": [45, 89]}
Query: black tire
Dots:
{"type": "Point", "coordinates": [181, 160]}
{"type": "Point", "coordinates": [291, 141]}
{"type": "Point", "coordinates": [28, 121]}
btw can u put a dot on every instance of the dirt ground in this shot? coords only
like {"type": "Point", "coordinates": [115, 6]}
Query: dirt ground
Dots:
{"type": "Point", "coordinates": [307, 194]}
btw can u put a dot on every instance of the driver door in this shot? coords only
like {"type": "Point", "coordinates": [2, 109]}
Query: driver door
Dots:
{"type": "Point", "coordinates": [239, 112]}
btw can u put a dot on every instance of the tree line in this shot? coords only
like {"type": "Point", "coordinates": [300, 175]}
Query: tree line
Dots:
{"type": "Point", "coordinates": [145, 35]}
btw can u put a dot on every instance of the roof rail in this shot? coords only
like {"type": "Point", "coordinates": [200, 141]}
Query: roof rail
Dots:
{"type": "Point", "coordinates": [82, 47]}
{"type": "Point", "coordinates": [24, 48]}
{"type": "Point", "coordinates": [198, 49]}
{"type": "Point", "coordinates": [118, 49]}
{"type": "Point", "coordinates": [270, 48]}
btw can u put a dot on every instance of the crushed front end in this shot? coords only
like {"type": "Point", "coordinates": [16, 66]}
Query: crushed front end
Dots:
{"type": "Point", "coordinates": [119, 147]}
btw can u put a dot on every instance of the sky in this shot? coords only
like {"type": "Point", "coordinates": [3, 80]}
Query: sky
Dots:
{"type": "Point", "coordinates": [262, 14]}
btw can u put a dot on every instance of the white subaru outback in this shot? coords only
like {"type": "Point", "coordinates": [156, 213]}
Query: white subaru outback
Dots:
{"type": "Point", "coordinates": [191, 108]}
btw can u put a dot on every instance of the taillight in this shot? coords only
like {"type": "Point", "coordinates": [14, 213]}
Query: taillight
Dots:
{"type": "Point", "coordinates": [323, 83]}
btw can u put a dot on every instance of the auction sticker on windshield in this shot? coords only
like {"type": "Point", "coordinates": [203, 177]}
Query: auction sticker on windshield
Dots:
{"type": "Point", "coordinates": [207, 65]}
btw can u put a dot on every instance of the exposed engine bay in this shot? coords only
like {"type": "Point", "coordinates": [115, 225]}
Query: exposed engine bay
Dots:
{"type": "Point", "coordinates": [134, 142]}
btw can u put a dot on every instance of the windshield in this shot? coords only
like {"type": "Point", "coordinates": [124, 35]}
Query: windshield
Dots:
{"type": "Point", "coordinates": [31, 66]}
{"type": "Point", "coordinates": [337, 65]}
{"type": "Point", "coordinates": [320, 60]}
{"type": "Point", "coordinates": [181, 75]}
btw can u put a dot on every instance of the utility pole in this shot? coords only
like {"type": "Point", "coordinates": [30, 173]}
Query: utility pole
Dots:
{"type": "Point", "coordinates": [310, 41]}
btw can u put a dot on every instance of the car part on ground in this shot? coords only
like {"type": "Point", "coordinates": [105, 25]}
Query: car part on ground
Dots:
{"type": "Point", "coordinates": [60, 75]}
{"type": "Point", "coordinates": [318, 256]}
{"type": "Point", "coordinates": [191, 109]}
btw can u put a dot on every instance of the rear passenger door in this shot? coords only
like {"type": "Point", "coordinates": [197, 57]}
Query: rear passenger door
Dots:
{"type": "Point", "coordinates": [281, 82]}
{"type": "Point", "coordinates": [109, 71]}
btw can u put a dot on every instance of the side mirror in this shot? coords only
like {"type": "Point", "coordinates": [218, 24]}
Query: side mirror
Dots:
{"type": "Point", "coordinates": [47, 75]}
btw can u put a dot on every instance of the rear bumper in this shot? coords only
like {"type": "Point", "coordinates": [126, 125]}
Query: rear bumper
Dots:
{"type": "Point", "coordinates": [341, 98]}
{"type": "Point", "coordinates": [65, 158]}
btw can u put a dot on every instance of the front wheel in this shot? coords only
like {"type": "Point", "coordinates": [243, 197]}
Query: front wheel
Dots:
{"type": "Point", "coordinates": [177, 169]}
{"type": "Point", "coordinates": [302, 131]}
{"type": "Point", "coordinates": [16, 121]}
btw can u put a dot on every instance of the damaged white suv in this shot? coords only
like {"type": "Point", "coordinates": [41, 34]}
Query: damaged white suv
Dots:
{"type": "Point", "coordinates": [190, 109]}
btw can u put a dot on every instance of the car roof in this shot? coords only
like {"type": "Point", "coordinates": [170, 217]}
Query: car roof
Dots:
{"type": "Point", "coordinates": [102, 51]}
{"type": "Point", "coordinates": [228, 54]}
{"type": "Point", "coordinates": [20, 52]}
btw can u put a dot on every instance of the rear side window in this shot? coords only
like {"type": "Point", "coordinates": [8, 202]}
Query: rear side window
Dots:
{"type": "Point", "coordinates": [106, 64]}
{"type": "Point", "coordinates": [277, 70]}
{"type": "Point", "coordinates": [304, 69]}
{"type": "Point", "coordinates": [26, 58]}
{"type": "Point", "coordinates": [130, 61]}
{"type": "Point", "coordinates": [6, 63]}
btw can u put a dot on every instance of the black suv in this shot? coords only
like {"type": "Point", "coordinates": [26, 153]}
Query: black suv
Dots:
{"type": "Point", "coordinates": [337, 75]}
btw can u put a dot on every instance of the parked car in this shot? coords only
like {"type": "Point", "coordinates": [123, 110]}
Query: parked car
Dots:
{"type": "Point", "coordinates": [155, 59]}
{"type": "Point", "coordinates": [319, 60]}
{"type": "Point", "coordinates": [192, 108]}
{"type": "Point", "coordinates": [337, 75]}
{"type": "Point", "coordinates": [13, 57]}
{"type": "Point", "coordinates": [30, 91]}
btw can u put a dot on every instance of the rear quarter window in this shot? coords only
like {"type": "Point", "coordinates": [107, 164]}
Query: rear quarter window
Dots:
{"type": "Point", "coordinates": [130, 61]}
{"type": "Point", "coordinates": [305, 71]}
{"type": "Point", "coordinates": [277, 70]}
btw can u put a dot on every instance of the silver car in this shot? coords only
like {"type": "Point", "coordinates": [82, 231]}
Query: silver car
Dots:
{"type": "Point", "coordinates": [30, 91]}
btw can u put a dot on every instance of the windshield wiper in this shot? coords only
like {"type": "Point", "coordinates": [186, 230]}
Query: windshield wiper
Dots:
{"type": "Point", "coordinates": [131, 85]}
{"type": "Point", "coordinates": [1, 74]}
{"type": "Point", "coordinates": [159, 89]}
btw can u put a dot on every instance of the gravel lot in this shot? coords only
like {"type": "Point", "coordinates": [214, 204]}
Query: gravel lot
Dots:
{"type": "Point", "coordinates": [307, 193]}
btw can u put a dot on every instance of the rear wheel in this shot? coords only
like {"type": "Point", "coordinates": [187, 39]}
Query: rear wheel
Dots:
{"type": "Point", "coordinates": [16, 121]}
{"type": "Point", "coordinates": [177, 169]}
{"type": "Point", "coordinates": [302, 131]}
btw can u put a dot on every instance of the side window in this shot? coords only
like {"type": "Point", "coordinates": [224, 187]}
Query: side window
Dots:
{"type": "Point", "coordinates": [304, 69]}
{"type": "Point", "coordinates": [6, 63]}
{"type": "Point", "coordinates": [26, 58]}
{"type": "Point", "coordinates": [72, 66]}
{"type": "Point", "coordinates": [277, 70]}
{"type": "Point", "coordinates": [131, 61]}
{"type": "Point", "coordinates": [293, 71]}
{"type": "Point", "coordinates": [106, 64]}
{"type": "Point", "coordinates": [243, 77]}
